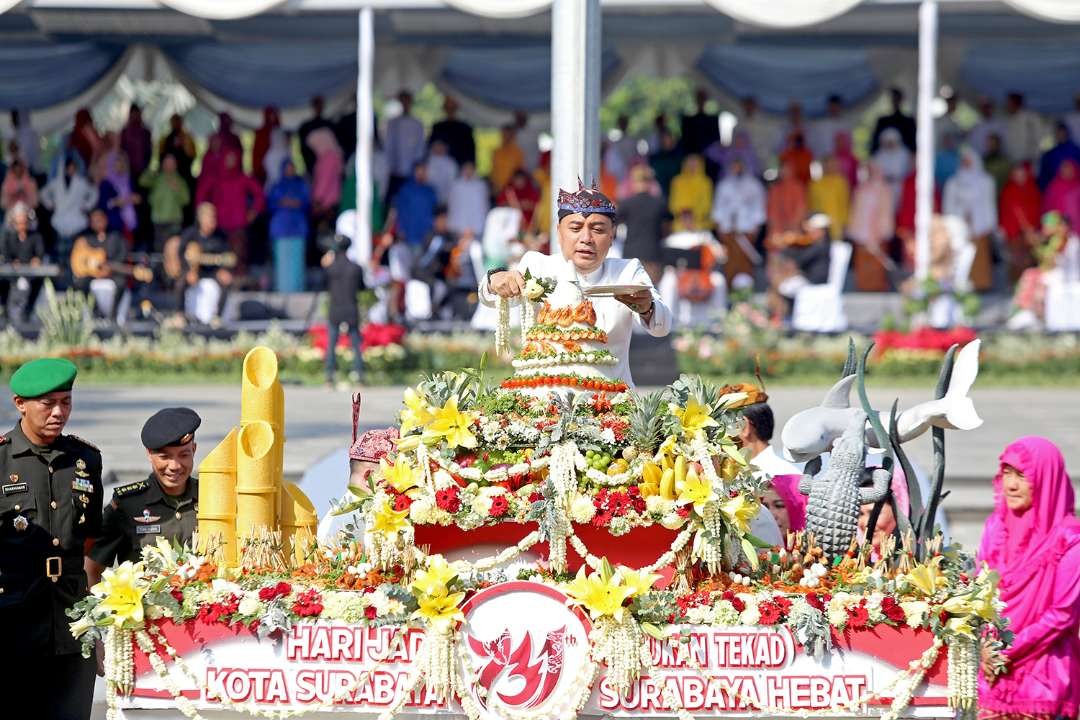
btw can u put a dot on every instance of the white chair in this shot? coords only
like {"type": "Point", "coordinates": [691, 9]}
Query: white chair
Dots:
{"type": "Point", "coordinates": [820, 308]}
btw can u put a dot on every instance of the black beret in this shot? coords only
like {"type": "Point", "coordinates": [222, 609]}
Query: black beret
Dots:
{"type": "Point", "coordinates": [170, 426]}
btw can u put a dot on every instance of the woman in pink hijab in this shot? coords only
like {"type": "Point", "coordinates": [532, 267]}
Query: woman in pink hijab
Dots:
{"type": "Point", "coordinates": [1063, 193]}
{"type": "Point", "coordinates": [787, 505]}
{"type": "Point", "coordinates": [849, 164]}
{"type": "Point", "coordinates": [1032, 540]}
{"type": "Point", "coordinates": [326, 176]}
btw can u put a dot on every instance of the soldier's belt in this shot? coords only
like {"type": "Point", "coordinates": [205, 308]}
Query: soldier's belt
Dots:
{"type": "Point", "coordinates": [58, 565]}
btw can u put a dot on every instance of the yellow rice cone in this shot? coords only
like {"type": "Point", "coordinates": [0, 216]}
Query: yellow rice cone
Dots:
{"type": "Point", "coordinates": [256, 478]}
{"type": "Point", "coordinates": [217, 499]}
{"type": "Point", "coordinates": [299, 521]}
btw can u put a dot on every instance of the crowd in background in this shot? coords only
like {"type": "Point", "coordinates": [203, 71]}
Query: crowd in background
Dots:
{"type": "Point", "coordinates": [730, 209]}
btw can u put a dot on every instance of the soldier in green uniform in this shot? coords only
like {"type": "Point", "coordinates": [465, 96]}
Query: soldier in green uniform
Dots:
{"type": "Point", "coordinates": [50, 511]}
{"type": "Point", "coordinates": [162, 505]}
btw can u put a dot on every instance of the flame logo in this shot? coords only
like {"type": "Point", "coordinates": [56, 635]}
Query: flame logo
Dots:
{"type": "Point", "coordinates": [540, 674]}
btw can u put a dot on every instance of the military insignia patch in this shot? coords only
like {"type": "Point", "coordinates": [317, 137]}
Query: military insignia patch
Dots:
{"type": "Point", "coordinates": [20, 523]}
{"type": "Point", "coordinates": [80, 464]}
{"type": "Point", "coordinates": [82, 485]}
{"type": "Point", "coordinates": [131, 488]}
{"type": "Point", "coordinates": [147, 529]}
{"type": "Point", "coordinates": [12, 488]}
{"type": "Point", "coordinates": [147, 517]}
{"type": "Point", "coordinates": [13, 478]}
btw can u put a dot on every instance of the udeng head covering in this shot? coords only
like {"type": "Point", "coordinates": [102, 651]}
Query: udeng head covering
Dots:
{"type": "Point", "coordinates": [586, 201]}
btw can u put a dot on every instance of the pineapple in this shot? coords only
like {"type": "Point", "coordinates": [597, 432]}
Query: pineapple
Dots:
{"type": "Point", "coordinates": [647, 422]}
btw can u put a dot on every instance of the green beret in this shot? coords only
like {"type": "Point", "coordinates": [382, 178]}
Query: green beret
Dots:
{"type": "Point", "coordinates": [42, 376]}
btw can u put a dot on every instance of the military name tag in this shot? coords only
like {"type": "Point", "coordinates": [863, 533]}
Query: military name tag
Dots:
{"type": "Point", "coordinates": [12, 488]}
{"type": "Point", "coordinates": [147, 529]}
{"type": "Point", "coordinates": [82, 485]}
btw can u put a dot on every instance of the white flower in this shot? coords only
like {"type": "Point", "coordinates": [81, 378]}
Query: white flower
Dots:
{"type": "Point", "coordinates": [394, 607]}
{"type": "Point", "coordinates": [699, 615]}
{"type": "Point", "coordinates": [420, 511]}
{"type": "Point", "coordinates": [224, 587]}
{"type": "Point", "coordinates": [608, 435]}
{"type": "Point", "coordinates": [672, 521]}
{"type": "Point", "coordinates": [724, 613]}
{"type": "Point", "coordinates": [379, 600]}
{"type": "Point", "coordinates": [750, 616]}
{"type": "Point", "coordinates": [533, 289]}
{"type": "Point", "coordinates": [442, 479]}
{"type": "Point", "coordinates": [249, 604]}
{"type": "Point", "coordinates": [873, 608]}
{"type": "Point", "coordinates": [481, 504]}
{"type": "Point", "coordinates": [655, 504]}
{"type": "Point", "coordinates": [837, 617]}
{"type": "Point", "coordinates": [582, 509]}
{"type": "Point", "coordinates": [153, 612]}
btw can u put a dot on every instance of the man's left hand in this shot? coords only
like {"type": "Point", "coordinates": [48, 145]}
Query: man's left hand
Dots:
{"type": "Point", "coordinates": [639, 302]}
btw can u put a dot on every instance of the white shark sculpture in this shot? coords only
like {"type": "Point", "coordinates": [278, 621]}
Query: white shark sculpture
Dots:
{"type": "Point", "coordinates": [812, 432]}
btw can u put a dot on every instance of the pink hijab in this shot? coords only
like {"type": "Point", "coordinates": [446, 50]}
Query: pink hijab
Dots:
{"type": "Point", "coordinates": [787, 487]}
{"type": "Point", "coordinates": [1025, 548]}
{"type": "Point", "coordinates": [1063, 193]}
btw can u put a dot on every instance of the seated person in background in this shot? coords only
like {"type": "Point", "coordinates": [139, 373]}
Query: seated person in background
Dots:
{"type": "Point", "coordinates": [205, 259]}
{"type": "Point", "coordinates": [1058, 260]}
{"type": "Point", "coordinates": [344, 279]}
{"type": "Point", "coordinates": [452, 265]}
{"type": "Point", "coordinates": [97, 277]}
{"type": "Point", "coordinates": [21, 246]}
{"type": "Point", "coordinates": [799, 259]}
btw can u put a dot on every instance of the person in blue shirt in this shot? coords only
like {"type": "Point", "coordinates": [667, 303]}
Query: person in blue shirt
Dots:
{"type": "Point", "coordinates": [414, 209]}
{"type": "Point", "coordinates": [289, 200]}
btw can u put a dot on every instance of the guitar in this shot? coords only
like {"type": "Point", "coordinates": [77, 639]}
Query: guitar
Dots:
{"type": "Point", "coordinates": [173, 260]}
{"type": "Point", "coordinates": [93, 262]}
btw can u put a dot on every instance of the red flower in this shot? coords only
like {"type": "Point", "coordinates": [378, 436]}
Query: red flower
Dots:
{"type": "Point", "coordinates": [219, 611]}
{"type": "Point", "coordinates": [370, 612]}
{"type": "Point", "coordinates": [448, 499]}
{"type": "Point", "coordinates": [602, 519]}
{"type": "Point", "coordinates": [402, 502]}
{"type": "Point", "coordinates": [892, 610]}
{"type": "Point", "coordinates": [499, 506]}
{"type": "Point", "coordinates": [272, 592]}
{"type": "Point", "coordinates": [684, 511]}
{"type": "Point", "coordinates": [535, 496]}
{"type": "Point", "coordinates": [308, 603]}
{"type": "Point", "coordinates": [770, 612]}
{"type": "Point", "coordinates": [736, 603]}
{"type": "Point", "coordinates": [814, 600]}
{"type": "Point", "coordinates": [858, 617]}
{"type": "Point", "coordinates": [177, 594]}
{"type": "Point", "coordinates": [783, 603]}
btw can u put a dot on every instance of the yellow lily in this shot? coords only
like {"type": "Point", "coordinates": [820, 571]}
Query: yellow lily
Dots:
{"type": "Point", "coordinates": [122, 594]}
{"type": "Point", "coordinates": [916, 611]}
{"type": "Point", "coordinates": [434, 579]}
{"type": "Point", "coordinates": [696, 491]}
{"type": "Point", "coordinates": [960, 626]}
{"type": "Point", "coordinates": [389, 521]}
{"type": "Point", "coordinates": [694, 418]}
{"type": "Point", "coordinates": [416, 414]}
{"type": "Point", "coordinates": [639, 582]}
{"type": "Point", "coordinates": [599, 596]}
{"type": "Point", "coordinates": [401, 475]}
{"type": "Point", "coordinates": [440, 611]}
{"type": "Point", "coordinates": [738, 511]}
{"type": "Point", "coordinates": [453, 425]}
{"type": "Point", "coordinates": [926, 577]}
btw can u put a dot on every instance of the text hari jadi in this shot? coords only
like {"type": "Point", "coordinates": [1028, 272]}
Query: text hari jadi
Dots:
{"type": "Point", "coordinates": [737, 671]}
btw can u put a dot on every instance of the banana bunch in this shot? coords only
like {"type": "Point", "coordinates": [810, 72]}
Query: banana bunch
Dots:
{"type": "Point", "coordinates": [665, 478]}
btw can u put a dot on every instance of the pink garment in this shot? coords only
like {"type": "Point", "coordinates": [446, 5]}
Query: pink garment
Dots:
{"type": "Point", "coordinates": [329, 165]}
{"type": "Point", "coordinates": [1063, 193]}
{"type": "Point", "coordinates": [1037, 554]}
{"type": "Point", "coordinates": [849, 164]}
{"type": "Point", "coordinates": [787, 487]}
{"type": "Point", "coordinates": [233, 193]}
{"type": "Point", "coordinates": [18, 189]}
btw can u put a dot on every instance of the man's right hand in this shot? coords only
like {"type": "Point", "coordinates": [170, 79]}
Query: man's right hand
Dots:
{"type": "Point", "coordinates": [507, 284]}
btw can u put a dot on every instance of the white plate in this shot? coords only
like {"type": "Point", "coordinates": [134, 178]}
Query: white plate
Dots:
{"type": "Point", "coordinates": [612, 290]}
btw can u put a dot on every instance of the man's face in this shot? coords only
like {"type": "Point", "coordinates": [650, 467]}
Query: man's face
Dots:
{"type": "Point", "coordinates": [99, 222]}
{"type": "Point", "coordinates": [207, 220]}
{"type": "Point", "coordinates": [20, 222]}
{"type": "Point", "coordinates": [172, 465]}
{"type": "Point", "coordinates": [45, 416]}
{"type": "Point", "coordinates": [585, 241]}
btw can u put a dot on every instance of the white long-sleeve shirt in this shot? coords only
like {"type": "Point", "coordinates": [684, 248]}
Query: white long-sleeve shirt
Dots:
{"type": "Point", "coordinates": [69, 202]}
{"type": "Point", "coordinates": [614, 318]}
{"type": "Point", "coordinates": [739, 204]}
{"type": "Point", "coordinates": [404, 144]}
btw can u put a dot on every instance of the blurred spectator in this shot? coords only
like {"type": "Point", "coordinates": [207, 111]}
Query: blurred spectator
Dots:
{"type": "Point", "coordinates": [762, 131]}
{"type": "Point", "coordinates": [989, 124]}
{"type": "Point", "coordinates": [455, 134]}
{"type": "Point", "coordinates": [970, 194]}
{"type": "Point", "coordinates": [830, 194]}
{"type": "Point", "coordinates": [69, 196]}
{"type": "Point", "coordinates": [404, 145]}
{"type": "Point", "coordinates": [845, 158]}
{"type": "Point", "coordinates": [542, 177]}
{"type": "Point", "coordinates": [452, 266]}
{"type": "Point", "coordinates": [108, 289]}
{"type": "Point", "coordinates": [1072, 119]}
{"type": "Point", "coordinates": [740, 149]}
{"type": "Point", "coordinates": [263, 140]}
{"type": "Point", "coordinates": [325, 176]}
{"type": "Point", "coordinates": [237, 200]}
{"type": "Point", "coordinates": [946, 124]}
{"type": "Point", "coordinates": [344, 279]}
{"type": "Point", "coordinates": [288, 201]}
{"type": "Point", "coordinates": [520, 193]}
{"type": "Point", "coordinates": [786, 205]}
{"type": "Point", "coordinates": [1063, 193]}
{"type": "Point", "coordinates": [345, 131]}
{"type": "Point", "coordinates": [643, 213]}
{"type": "Point", "coordinates": [1023, 130]}
{"type": "Point", "coordinates": [136, 142]}
{"type": "Point", "coordinates": [528, 139]}
{"type": "Point", "coordinates": [794, 124]}
{"type": "Point", "coordinates": [701, 129]}
{"type": "Point", "coordinates": [797, 157]}
{"type": "Point", "coordinates": [903, 124]}
{"type": "Point", "coordinates": [227, 137]}
{"type": "Point", "coordinates": [893, 159]}
{"type": "Point", "coordinates": [168, 195]}
{"type": "Point", "coordinates": [691, 190]}
{"type": "Point", "coordinates": [823, 132]}
{"type": "Point", "coordinates": [18, 186]}
{"type": "Point", "coordinates": [947, 158]}
{"type": "Point", "coordinates": [21, 245]}
{"type": "Point", "coordinates": [739, 212]}
{"type": "Point", "coordinates": [660, 126]}
{"type": "Point", "coordinates": [996, 162]}
{"type": "Point", "coordinates": [1057, 259]}
{"type": "Point", "coordinates": [797, 259]}
{"type": "Point", "coordinates": [442, 170]}
{"type": "Point", "coordinates": [115, 194]}
{"type": "Point", "coordinates": [205, 283]}
{"type": "Point", "coordinates": [506, 159]}
{"type": "Point", "coordinates": [1064, 149]}
{"type": "Point", "coordinates": [666, 161]}
{"type": "Point", "coordinates": [277, 152]}
{"type": "Point", "coordinates": [84, 138]}
{"type": "Point", "coordinates": [315, 122]}
{"type": "Point", "coordinates": [180, 145]}
{"type": "Point", "coordinates": [468, 202]}
{"type": "Point", "coordinates": [1018, 218]}
{"type": "Point", "coordinates": [28, 139]}
{"type": "Point", "coordinates": [905, 218]}
{"type": "Point", "coordinates": [213, 161]}
{"type": "Point", "coordinates": [871, 229]}
{"type": "Point", "coordinates": [621, 153]}
{"type": "Point", "coordinates": [414, 209]}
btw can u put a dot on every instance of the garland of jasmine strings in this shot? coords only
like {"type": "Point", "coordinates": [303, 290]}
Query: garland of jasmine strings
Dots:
{"type": "Point", "coordinates": [502, 328]}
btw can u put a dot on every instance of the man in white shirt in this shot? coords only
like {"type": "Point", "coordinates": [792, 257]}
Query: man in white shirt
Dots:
{"type": "Point", "coordinates": [823, 132]}
{"type": "Point", "coordinates": [989, 124]}
{"type": "Point", "coordinates": [739, 212]}
{"type": "Point", "coordinates": [468, 202]}
{"type": "Point", "coordinates": [404, 144]}
{"type": "Point", "coordinates": [763, 132]}
{"type": "Point", "coordinates": [946, 125]}
{"type": "Point", "coordinates": [441, 170]}
{"type": "Point", "coordinates": [528, 139]}
{"type": "Point", "coordinates": [1024, 130]}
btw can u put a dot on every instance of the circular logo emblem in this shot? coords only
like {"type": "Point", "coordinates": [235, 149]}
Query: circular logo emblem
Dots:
{"type": "Point", "coordinates": [525, 649]}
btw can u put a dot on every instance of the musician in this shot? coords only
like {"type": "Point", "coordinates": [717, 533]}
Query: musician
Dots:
{"type": "Point", "coordinates": [205, 284]}
{"type": "Point", "coordinates": [21, 247]}
{"type": "Point", "coordinates": [797, 259]}
{"type": "Point", "coordinates": [106, 285]}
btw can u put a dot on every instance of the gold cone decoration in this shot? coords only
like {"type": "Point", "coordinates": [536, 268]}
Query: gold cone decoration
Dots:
{"type": "Point", "coordinates": [217, 499]}
{"type": "Point", "coordinates": [257, 480]}
{"type": "Point", "coordinates": [299, 522]}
